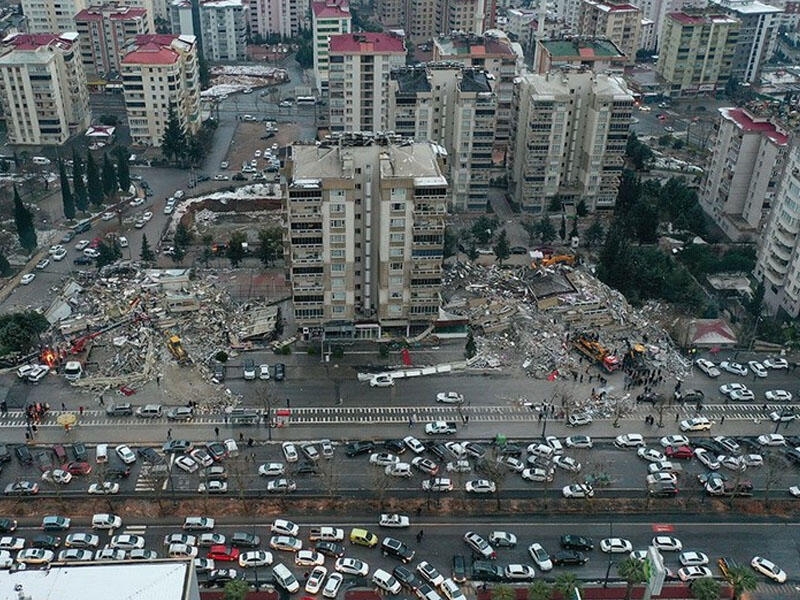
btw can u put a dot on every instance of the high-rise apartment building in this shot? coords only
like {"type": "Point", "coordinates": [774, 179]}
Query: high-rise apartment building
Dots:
{"type": "Point", "coordinates": [103, 31]}
{"type": "Point", "coordinates": [359, 68]}
{"type": "Point", "coordinates": [570, 132]}
{"type": "Point", "coordinates": [464, 16]}
{"type": "Point", "coordinates": [697, 50]}
{"type": "Point", "coordinates": [51, 16]}
{"type": "Point", "coordinates": [278, 17]}
{"type": "Point", "coordinates": [422, 19]}
{"type": "Point", "coordinates": [365, 234]}
{"type": "Point", "coordinates": [391, 13]}
{"type": "Point", "coordinates": [620, 23]}
{"type": "Point", "coordinates": [160, 72]}
{"type": "Point", "coordinates": [744, 171]}
{"type": "Point", "coordinates": [594, 54]}
{"type": "Point", "coordinates": [757, 35]}
{"type": "Point", "coordinates": [223, 26]}
{"type": "Point", "coordinates": [329, 17]}
{"type": "Point", "coordinates": [778, 259]}
{"type": "Point", "coordinates": [43, 88]}
{"type": "Point", "coordinates": [657, 10]}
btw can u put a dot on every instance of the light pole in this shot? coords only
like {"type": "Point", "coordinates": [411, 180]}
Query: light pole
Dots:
{"type": "Point", "coordinates": [611, 563]}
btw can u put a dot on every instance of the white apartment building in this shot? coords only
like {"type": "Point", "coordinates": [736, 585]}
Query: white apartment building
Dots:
{"type": "Point", "coordinates": [330, 17]}
{"type": "Point", "coordinates": [360, 64]}
{"type": "Point", "coordinates": [223, 27]}
{"type": "Point", "coordinates": [778, 261]}
{"type": "Point", "coordinates": [158, 72]}
{"type": "Point", "coordinates": [620, 23]}
{"type": "Point", "coordinates": [364, 238]}
{"type": "Point", "coordinates": [466, 16]}
{"type": "Point", "coordinates": [43, 88]}
{"type": "Point", "coordinates": [51, 16]}
{"type": "Point", "coordinates": [281, 17]}
{"type": "Point", "coordinates": [570, 131]}
{"type": "Point", "coordinates": [104, 31]}
{"type": "Point", "coordinates": [744, 171]}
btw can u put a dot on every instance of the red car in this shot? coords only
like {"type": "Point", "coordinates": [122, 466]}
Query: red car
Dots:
{"type": "Point", "coordinates": [223, 553]}
{"type": "Point", "coordinates": [78, 468]}
{"type": "Point", "coordinates": [684, 452]}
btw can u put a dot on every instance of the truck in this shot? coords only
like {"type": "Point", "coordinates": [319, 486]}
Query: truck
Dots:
{"type": "Point", "coordinates": [176, 349]}
{"type": "Point", "coordinates": [590, 346]}
{"type": "Point", "coordinates": [441, 428]}
{"type": "Point", "coordinates": [326, 534]}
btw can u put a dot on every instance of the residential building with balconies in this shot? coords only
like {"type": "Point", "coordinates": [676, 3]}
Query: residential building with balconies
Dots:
{"type": "Point", "coordinates": [595, 54]}
{"type": "Point", "coordinates": [330, 17]}
{"type": "Point", "coordinates": [620, 23]}
{"type": "Point", "coordinates": [223, 26]}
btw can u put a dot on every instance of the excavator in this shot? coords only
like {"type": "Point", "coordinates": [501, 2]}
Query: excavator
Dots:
{"type": "Point", "coordinates": [556, 259]}
{"type": "Point", "coordinates": [589, 345]}
{"type": "Point", "coordinates": [176, 349]}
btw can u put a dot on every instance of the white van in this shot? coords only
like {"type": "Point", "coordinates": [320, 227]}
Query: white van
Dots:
{"type": "Point", "coordinates": [284, 578]}
{"type": "Point", "coordinates": [40, 160]}
{"type": "Point", "coordinates": [73, 370]}
{"type": "Point", "coordinates": [385, 581]}
{"type": "Point", "coordinates": [106, 521]}
{"type": "Point", "coordinates": [101, 454]}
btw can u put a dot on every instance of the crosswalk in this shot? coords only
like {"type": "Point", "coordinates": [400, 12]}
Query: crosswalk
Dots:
{"type": "Point", "coordinates": [150, 478]}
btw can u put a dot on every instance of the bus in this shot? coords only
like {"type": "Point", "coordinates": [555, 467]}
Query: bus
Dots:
{"type": "Point", "coordinates": [308, 100]}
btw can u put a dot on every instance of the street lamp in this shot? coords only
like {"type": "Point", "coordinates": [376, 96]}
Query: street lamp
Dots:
{"type": "Point", "coordinates": [611, 563]}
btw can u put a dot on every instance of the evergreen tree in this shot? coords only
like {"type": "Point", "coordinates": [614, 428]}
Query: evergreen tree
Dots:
{"type": "Point", "coordinates": [183, 237]}
{"type": "Point", "coordinates": [123, 168]}
{"type": "Point", "coordinates": [81, 197]}
{"type": "Point", "coordinates": [562, 231]}
{"type": "Point", "coordinates": [93, 183]}
{"type": "Point", "coordinates": [470, 349]}
{"type": "Point", "coordinates": [573, 233]}
{"type": "Point", "coordinates": [173, 143]}
{"type": "Point", "coordinates": [110, 252]}
{"type": "Point", "coordinates": [546, 230]}
{"type": "Point", "coordinates": [66, 194]}
{"type": "Point", "coordinates": [270, 244]}
{"type": "Point", "coordinates": [178, 253]}
{"type": "Point", "coordinates": [146, 254]}
{"type": "Point", "coordinates": [202, 71]}
{"type": "Point", "coordinates": [235, 249]}
{"type": "Point", "coordinates": [594, 233]}
{"type": "Point", "coordinates": [109, 177]}
{"type": "Point", "coordinates": [5, 267]}
{"type": "Point", "coordinates": [581, 209]}
{"type": "Point", "coordinates": [23, 219]}
{"type": "Point", "coordinates": [502, 250]}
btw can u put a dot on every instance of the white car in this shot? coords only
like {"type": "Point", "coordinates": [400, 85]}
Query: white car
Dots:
{"type": "Point", "coordinates": [27, 278]}
{"type": "Point", "coordinates": [776, 363]}
{"type": "Point", "coordinates": [733, 367]}
{"type": "Point", "coordinates": [55, 248]}
{"type": "Point", "coordinates": [81, 540]}
{"type": "Point", "coordinates": [757, 368]}
{"type": "Point", "coordinates": [315, 579]}
{"type": "Point", "coordinates": [772, 439]}
{"type": "Point", "coordinates": [578, 441]}
{"type": "Point", "coordinates": [284, 527]}
{"type": "Point", "coordinates": [503, 539]}
{"type": "Point", "coordinates": [11, 543]}
{"type": "Point", "coordinates": [351, 566]}
{"type": "Point", "coordinates": [538, 474]}
{"type": "Point", "coordinates": [578, 419]}
{"type": "Point", "coordinates": [57, 476]}
{"type": "Point", "coordinates": [134, 202]}
{"type": "Point", "coordinates": [60, 255]}
{"type": "Point", "coordinates": [35, 556]}
{"type": "Point", "coordinates": [72, 554]}
{"type": "Point", "coordinates": [215, 486]}
{"type": "Point", "coordinates": [728, 443]}
{"type": "Point", "coordinates": [768, 568]}
{"type": "Point", "coordinates": [743, 396]}
{"type": "Point", "coordinates": [285, 543]}
{"type": "Point", "coordinates": [553, 442]}
{"type": "Point", "coordinates": [578, 490]}
{"type": "Point", "coordinates": [752, 460]}
{"type": "Point", "coordinates": [795, 491]}
{"type": "Point", "coordinates": [182, 551]}
{"type": "Point", "coordinates": [382, 380]}
{"type": "Point", "coordinates": [728, 388]}
{"type": "Point", "coordinates": [210, 538]}
{"type": "Point", "coordinates": [458, 466]}
{"type": "Point", "coordinates": [413, 444]}
{"type": "Point", "coordinates": [394, 520]}
{"type": "Point", "coordinates": [81, 245]}
{"type": "Point", "coordinates": [734, 463]}
{"type": "Point", "coordinates": [784, 416]}
{"type": "Point", "coordinates": [289, 452]}
{"type": "Point", "coordinates": [332, 585]}
{"type": "Point", "coordinates": [778, 396]}
{"type": "Point", "coordinates": [481, 486]}
{"type": "Point", "coordinates": [263, 371]}
{"type": "Point", "coordinates": [709, 460]}
{"type": "Point", "coordinates": [651, 454]}
{"type": "Point", "coordinates": [186, 463]}
{"type": "Point", "coordinates": [616, 546]}
{"type": "Point", "coordinates": [667, 543]}
{"type": "Point", "coordinates": [629, 440]}
{"type": "Point", "coordinates": [519, 572]}
{"type": "Point", "coordinates": [693, 559]}
{"type": "Point", "coordinates": [104, 489]}
{"type": "Point", "coordinates": [383, 458]}
{"type": "Point", "coordinates": [308, 558]}
{"type": "Point", "coordinates": [274, 469]}
{"type": "Point", "coordinates": [400, 469]}
{"type": "Point", "coordinates": [310, 451]}
{"type": "Point", "coordinates": [567, 463]}
{"type": "Point", "coordinates": [661, 466]}
{"type": "Point", "coordinates": [125, 454]}
{"type": "Point", "coordinates": [696, 424]}
{"type": "Point", "coordinates": [126, 541]}
{"type": "Point", "coordinates": [674, 440]}
{"type": "Point", "coordinates": [108, 216]}
{"type": "Point", "coordinates": [255, 558]}
{"type": "Point", "coordinates": [146, 216]}
{"type": "Point", "coordinates": [707, 367]}
{"type": "Point", "coordinates": [540, 557]}
{"type": "Point", "coordinates": [450, 398]}
{"type": "Point", "coordinates": [661, 477]}
{"type": "Point", "coordinates": [479, 545]}
{"type": "Point", "coordinates": [512, 463]}
{"type": "Point", "coordinates": [692, 573]}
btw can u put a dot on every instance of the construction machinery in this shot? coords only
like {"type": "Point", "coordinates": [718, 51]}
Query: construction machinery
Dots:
{"type": "Point", "coordinates": [177, 350]}
{"type": "Point", "coordinates": [635, 356]}
{"type": "Point", "coordinates": [556, 259]}
{"type": "Point", "coordinates": [588, 345]}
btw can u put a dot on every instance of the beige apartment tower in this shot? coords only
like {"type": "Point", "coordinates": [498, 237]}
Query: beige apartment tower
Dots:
{"type": "Point", "coordinates": [620, 23]}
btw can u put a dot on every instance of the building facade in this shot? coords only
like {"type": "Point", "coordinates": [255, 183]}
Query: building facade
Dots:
{"type": "Point", "coordinates": [697, 51]}
{"type": "Point", "coordinates": [278, 17]}
{"type": "Point", "coordinates": [328, 18]}
{"type": "Point", "coordinates": [570, 132]}
{"type": "Point", "coordinates": [103, 32]}
{"type": "Point", "coordinates": [44, 92]}
{"type": "Point", "coordinates": [51, 16]}
{"type": "Point", "coordinates": [465, 16]}
{"type": "Point", "coordinates": [744, 171]}
{"type": "Point", "coordinates": [365, 234]}
{"type": "Point", "coordinates": [223, 27]}
{"type": "Point", "coordinates": [160, 72]}
{"type": "Point", "coordinates": [620, 23]}
{"type": "Point", "coordinates": [359, 68]}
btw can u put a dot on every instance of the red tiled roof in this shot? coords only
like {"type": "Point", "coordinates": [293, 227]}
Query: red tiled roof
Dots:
{"type": "Point", "coordinates": [746, 122]}
{"type": "Point", "coordinates": [332, 9]}
{"type": "Point", "coordinates": [32, 41]}
{"type": "Point", "coordinates": [151, 54]}
{"type": "Point", "coordinates": [131, 12]}
{"type": "Point", "coordinates": [95, 13]}
{"type": "Point", "coordinates": [162, 39]}
{"type": "Point", "coordinates": [366, 42]}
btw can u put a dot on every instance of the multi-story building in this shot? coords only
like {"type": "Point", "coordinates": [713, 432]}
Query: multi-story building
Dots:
{"type": "Point", "coordinates": [757, 35]}
{"type": "Point", "coordinates": [160, 72]}
{"type": "Point", "coordinates": [697, 50]}
{"type": "Point", "coordinates": [277, 17]}
{"type": "Point", "coordinates": [49, 16]}
{"type": "Point", "coordinates": [465, 16]}
{"type": "Point", "coordinates": [570, 131]}
{"type": "Point", "coordinates": [365, 234]}
{"type": "Point", "coordinates": [391, 13]}
{"type": "Point", "coordinates": [657, 10]}
{"type": "Point", "coordinates": [744, 171]}
{"type": "Point", "coordinates": [358, 75]}
{"type": "Point", "coordinates": [495, 54]}
{"type": "Point", "coordinates": [103, 31]}
{"type": "Point", "coordinates": [422, 19]}
{"type": "Point", "coordinates": [778, 258]}
{"type": "Point", "coordinates": [44, 92]}
{"type": "Point", "coordinates": [411, 103]}
{"type": "Point", "coordinates": [330, 17]}
{"type": "Point", "coordinates": [620, 23]}
{"type": "Point", "coordinates": [594, 54]}
{"type": "Point", "coordinates": [223, 26]}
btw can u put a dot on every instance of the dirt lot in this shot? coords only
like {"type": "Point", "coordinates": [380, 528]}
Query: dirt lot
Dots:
{"type": "Point", "coordinates": [247, 140]}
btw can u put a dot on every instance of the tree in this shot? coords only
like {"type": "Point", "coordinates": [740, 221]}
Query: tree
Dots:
{"type": "Point", "coordinates": [19, 332]}
{"type": "Point", "coordinates": [66, 195]}
{"type": "Point", "coordinates": [503, 591]}
{"type": "Point", "coordinates": [540, 590]}
{"type": "Point", "coordinates": [705, 588]}
{"type": "Point", "coordinates": [78, 184]}
{"type": "Point", "coordinates": [742, 579]}
{"type": "Point", "coordinates": [580, 208]}
{"type": "Point", "coordinates": [183, 237]}
{"type": "Point", "coordinates": [567, 584]}
{"type": "Point", "coordinates": [270, 245]}
{"type": "Point", "coordinates": [5, 267]}
{"type": "Point", "coordinates": [178, 254]}
{"type": "Point", "coordinates": [173, 142]}
{"type": "Point", "coordinates": [109, 254]}
{"type": "Point", "coordinates": [632, 571]}
{"type": "Point", "coordinates": [470, 349]}
{"type": "Point", "coordinates": [236, 589]}
{"type": "Point", "coordinates": [235, 249]}
{"type": "Point", "coordinates": [146, 254]}
{"type": "Point", "coordinates": [562, 231]}
{"type": "Point", "coordinates": [482, 229]}
{"type": "Point", "coordinates": [545, 229]}
{"type": "Point", "coordinates": [23, 219]}
{"type": "Point", "coordinates": [202, 70]}
{"type": "Point", "coordinates": [207, 254]}
{"type": "Point", "coordinates": [123, 168]}
{"type": "Point", "coordinates": [502, 250]}
{"type": "Point", "coordinates": [754, 306]}
{"type": "Point", "coordinates": [93, 183]}
{"type": "Point", "coordinates": [573, 233]}
{"type": "Point", "coordinates": [109, 177]}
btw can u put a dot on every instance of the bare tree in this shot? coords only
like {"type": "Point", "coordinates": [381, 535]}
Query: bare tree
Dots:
{"type": "Point", "coordinates": [776, 472]}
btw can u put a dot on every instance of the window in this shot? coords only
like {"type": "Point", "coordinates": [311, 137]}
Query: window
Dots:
{"type": "Point", "coordinates": [337, 268]}
{"type": "Point", "coordinates": [397, 223]}
{"type": "Point", "coordinates": [396, 266]}
{"type": "Point", "coordinates": [397, 238]}
{"type": "Point", "coordinates": [338, 296]}
{"type": "Point", "coordinates": [398, 206]}
{"type": "Point", "coordinates": [337, 223]}
{"type": "Point", "coordinates": [337, 253]}
{"type": "Point", "coordinates": [395, 281]}
{"type": "Point", "coordinates": [337, 283]}
{"type": "Point", "coordinates": [337, 207]}
{"type": "Point", "coordinates": [396, 252]}
{"type": "Point", "coordinates": [337, 238]}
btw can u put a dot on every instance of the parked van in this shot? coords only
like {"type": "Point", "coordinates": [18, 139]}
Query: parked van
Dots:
{"type": "Point", "coordinates": [385, 581]}
{"type": "Point", "coordinates": [73, 370]}
{"type": "Point", "coordinates": [149, 411]}
{"type": "Point", "coordinates": [40, 160]}
{"type": "Point", "coordinates": [101, 454]}
{"type": "Point", "coordinates": [284, 578]}
{"type": "Point", "coordinates": [61, 454]}
{"type": "Point", "coordinates": [106, 521]}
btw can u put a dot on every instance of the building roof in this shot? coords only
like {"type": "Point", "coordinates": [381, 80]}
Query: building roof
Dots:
{"type": "Point", "coordinates": [709, 333]}
{"type": "Point", "coordinates": [366, 43]}
{"type": "Point", "coordinates": [699, 19]}
{"type": "Point", "coordinates": [610, 7]}
{"type": "Point", "coordinates": [412, 80]}
{"type": "Point", "coordinates": [134, 580]}
{"type": "Point", "coordinates": [223, 4]}
{"type": "Point", "coordinates": [157, 49]}
{"type": "Point", "coordinates": [747, 7]}
{"type": "Point", "coordinates": [34, 41]}
{"type": "Point", "coordinates": [112, 11]}
{"type": "Point", "coordinates": [331, 9]}
{"type": "Point", "coordinates": [472, 45]}
{"type": "Point", "coordinates": [475, 81]}
{"type": "Point", "coordinates": [746, 122]}
{"type": "Point", "coordinates": [582, 49]}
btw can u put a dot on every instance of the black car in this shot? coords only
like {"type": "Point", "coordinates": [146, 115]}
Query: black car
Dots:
{"type": "Point", "coordinates": [397, 549]}
{"type": "Point", "coordinates": [5, 455]}
{"type": "Point", "coordinates": [48, 542]}
{"type": "Point", "coordinates": [519, 250]}
{"type": "Point", "coordinates": [219, 577]}
{"type": "Point", "coordinates": [475, 450]}
{"type": "Point", "coordinates": [67, 237]}
{"type": "Point", "coordinates": [307, 468]}
{"type": "Point", "coordinates": [280, 372]}
{"type": "Point", "coordinates": [356, 448]}
{"type": "Point", "coordinates": [24, 455]}
{"type": "Point", "coordinates": [149, 455]}
{"type": "Point", "coordinates": [576, 542]}
{"type": "Point", "coordinates": [439, 450]}
{"type": "Point", "coordinates": [217, 450]}
{"type": "Point", "coordinates": [750, 442]}
{"type": "Point", "coordinates": [709, 445]}
{"type": "Point", "coordinates": [406, 577]}
{"type": "Point", "coordinates": [664, 489]}
{"type": "Point", "coordinates": [330, 549]}
{"type": "Point", "coordinates": [242, 539]}
{"type": "Point", "coordinates": [510, 450]}
{"type": "Point", "coordinates": [650, 398]}
{"type": "Point", "coordinates": [118, 473]}
{"type": "Point", "coordinates": [83, 260]}
{"type": "Point", "coordinates": [79, 452]}
{"type": "Point", "coordinates": [459, 573]}
{"type": "Point", "coordinates": [483, 570]}
{"type": "Point", "coordinates": [7, 525]}
{"type": "Point", "coordinates": [793, 455]}
{"type": "Point", "coordinates": [219, 373]}
{"type": "Point", "coordinates": [395, 446]}
{"type": "Point", "coordinates": [569, 557]}
{"type": "Point", "coordinates": [691, 396]}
